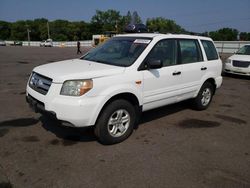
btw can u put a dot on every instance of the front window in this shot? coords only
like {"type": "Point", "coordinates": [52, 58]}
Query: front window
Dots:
{"type": "Point", "coordinates": [165, 51]}
{"type": "Point", "coordinates": [119, 51]}
{"type": "Point", "coordinates": [245, 50]}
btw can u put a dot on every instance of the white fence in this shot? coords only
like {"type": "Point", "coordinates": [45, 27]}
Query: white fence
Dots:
{"type": "Point", "coordinates": [222, 46]}
{"type": "Point", "coordinates": [229, 46]}
{"type": "Point", "coordinates": [86, 43]}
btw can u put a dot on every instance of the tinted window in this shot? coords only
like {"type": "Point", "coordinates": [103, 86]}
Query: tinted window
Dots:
{"type": "Point", "coordinates": [210, 50]}
{"type": "Point", "coordinates": [165, 51]}
{"type": "Point", "coordinates": [189, 51]}
{"type": "Point", "coordinates": [119, 51]}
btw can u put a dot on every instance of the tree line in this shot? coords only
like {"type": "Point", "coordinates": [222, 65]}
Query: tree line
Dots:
{"type": "Point", "coordinates": [101, 22]}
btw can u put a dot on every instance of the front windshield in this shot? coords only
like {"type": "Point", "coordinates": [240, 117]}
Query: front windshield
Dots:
{"type": "Point", "coordinates": [119, 51]}
{"type": "Point", "coordinates": [245, 50]}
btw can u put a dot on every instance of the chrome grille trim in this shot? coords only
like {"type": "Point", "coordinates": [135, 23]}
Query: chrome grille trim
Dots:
{"type": "Point", "coordinates": [243, 64]}
{"type": "Point", "coordinates": [40, 83]}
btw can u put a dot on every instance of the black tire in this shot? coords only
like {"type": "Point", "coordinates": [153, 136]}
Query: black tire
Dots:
{"type": "Point", "coordinates": [117, 111]}
{"type": "Point", "coordinates": [204, 97]}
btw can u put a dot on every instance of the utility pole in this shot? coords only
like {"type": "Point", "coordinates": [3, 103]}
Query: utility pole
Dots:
{"type": "Point", "coordinates": [116, 27]}
{"type": "Point", "coordinates": [48, 30]}
{"type": "Point", "coordinates": [28, 31]}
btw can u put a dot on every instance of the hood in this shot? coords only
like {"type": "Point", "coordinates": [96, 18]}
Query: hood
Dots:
{"type": "Point", "coordinates": [240, 57]}
{"type": "Point", "coordinates": [77, 69]}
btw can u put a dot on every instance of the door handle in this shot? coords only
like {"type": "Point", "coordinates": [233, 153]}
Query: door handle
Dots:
{"type": "Point", "coordinates": [176, 73]}
{"type": "Point", "coordinates": [203, 68]}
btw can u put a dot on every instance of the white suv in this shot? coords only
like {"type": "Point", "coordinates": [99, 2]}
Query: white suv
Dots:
{"type": "Point", "coordinates": [112, 84]}
{"type": "Point", "coordinates": [239, 63]}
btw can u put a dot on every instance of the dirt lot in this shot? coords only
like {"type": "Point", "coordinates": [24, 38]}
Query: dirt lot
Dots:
{"type": "Point", "coordinates": [174, 146]}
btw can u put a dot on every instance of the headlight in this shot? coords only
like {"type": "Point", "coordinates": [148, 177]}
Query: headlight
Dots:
{"type": "Point", "coordinates": [76, 87]}
{"type": "Point", "coordinates": [228, 61]}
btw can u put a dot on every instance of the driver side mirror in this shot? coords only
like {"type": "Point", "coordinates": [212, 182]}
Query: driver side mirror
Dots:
{"type": "Point", "coordinates": [154, 64]}
{"type": "Point", "coordinates": [150, 64]}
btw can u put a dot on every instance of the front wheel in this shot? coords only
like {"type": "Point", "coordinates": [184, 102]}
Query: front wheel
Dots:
{"type": "Point", "coordinates": [204, 97]}
{"type": "Point", "coordinates": [116, 122]}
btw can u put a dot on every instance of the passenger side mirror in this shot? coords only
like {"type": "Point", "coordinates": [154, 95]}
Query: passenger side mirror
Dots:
{"type": "Point", "coordinates": [154, 64]}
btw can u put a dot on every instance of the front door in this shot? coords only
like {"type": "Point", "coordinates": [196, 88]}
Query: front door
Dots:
{"type": "Point", "coordinates": [161, 85]}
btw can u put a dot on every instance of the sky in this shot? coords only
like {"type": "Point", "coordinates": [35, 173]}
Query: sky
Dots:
{"type": "Point", "coordinates": [192, 15]}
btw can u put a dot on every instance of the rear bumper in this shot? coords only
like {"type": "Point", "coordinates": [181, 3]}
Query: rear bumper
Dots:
{"type": "Point", "coordinates": [218, 81]}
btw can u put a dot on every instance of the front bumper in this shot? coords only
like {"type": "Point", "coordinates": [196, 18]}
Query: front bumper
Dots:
{"type": "Point", "coordinates": [228, 68]}
{"type": "Point", "coordinates": [38, 106]}
{"type": "Point", "coordinates": [76, 111]}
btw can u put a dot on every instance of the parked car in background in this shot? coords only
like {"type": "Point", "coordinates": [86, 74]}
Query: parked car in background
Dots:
{"type": "Point", "coordinates": [2, 43]}
{"type": "Point", "coordinates": [47, 43]}
{"type": "Point", "coordinates": [239, 63]}
{"type": "Point", "coordinates": [18, 43]}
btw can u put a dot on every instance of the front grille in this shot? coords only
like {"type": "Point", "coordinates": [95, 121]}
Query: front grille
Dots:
{"type": "Point", "coordinates": [40, 83]}
{"type": "Point", "coordinates": [243, 64]}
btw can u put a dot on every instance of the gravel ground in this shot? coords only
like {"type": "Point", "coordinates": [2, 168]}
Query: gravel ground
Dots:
{"type": "Point", "coordinates": [174, 146]}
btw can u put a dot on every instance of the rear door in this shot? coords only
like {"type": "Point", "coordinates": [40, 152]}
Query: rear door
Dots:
{"type": "Point", "coordinates": [192, 66]}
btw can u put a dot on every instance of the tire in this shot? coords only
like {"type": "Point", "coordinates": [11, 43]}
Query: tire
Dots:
{"type": "Point", "coordinates": [204, 97]}
{"type": "Point", "coordinates": [116, 122]}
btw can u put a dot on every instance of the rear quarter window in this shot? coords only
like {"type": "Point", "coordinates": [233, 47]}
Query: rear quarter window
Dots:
{"type": "Point", "coordinates": [210, 50]}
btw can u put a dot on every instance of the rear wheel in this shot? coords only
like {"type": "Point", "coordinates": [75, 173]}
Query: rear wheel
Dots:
{"type": "Point", "coordinates": [204, 97]}
{"type": "Point", "coordinates": [116, 122]}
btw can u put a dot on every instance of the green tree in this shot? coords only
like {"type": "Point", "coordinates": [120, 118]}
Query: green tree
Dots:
{"type": "Point", "coordinates": [206, 34]}
{"type": "Point", "coordinates": [34, 30]}
{"type": "Point", "coordinates": [244, 36]}
{"type": "Point", "coordinates": [163, 25]}
{"type": "Point", "coordinates": [86, 30]}
{"type": "Point", "coordinates": [5, 30]}
{"type": "Point", "coordinates": [41, 29]}
{"type": "Point", "coordinates": [19, 30]}
{"type": "Point", "coordinates": [128, 18]}
{"type": "Point", "coordinates": [224, 34]}
{"type": "Point", "coordinates": [106, 20]}
{"type": "Point", "coordinates": [135, 18]}
{"type": "Point", "coordinates": [102, 21]}
{"type": "Point", "coordinates": [59, 30]}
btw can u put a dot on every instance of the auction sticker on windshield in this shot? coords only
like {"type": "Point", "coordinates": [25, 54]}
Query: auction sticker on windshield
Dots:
{"type": "Point", "coordinates": [142, 41]}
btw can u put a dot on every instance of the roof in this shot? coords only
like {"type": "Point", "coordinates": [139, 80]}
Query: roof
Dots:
{"type": "Point", "coordinates": [160, 35]}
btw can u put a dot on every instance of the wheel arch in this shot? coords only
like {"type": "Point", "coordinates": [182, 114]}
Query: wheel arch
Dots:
{"type": "Point", "coordinates": [130, 97]}
{"type": "Point", "coordinates": [211, 81]}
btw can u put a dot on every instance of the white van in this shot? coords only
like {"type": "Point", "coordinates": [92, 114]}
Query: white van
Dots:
{"type": "Point", "coordinates": [112, 84]}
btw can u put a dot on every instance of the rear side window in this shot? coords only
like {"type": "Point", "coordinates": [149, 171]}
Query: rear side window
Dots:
{"type": "Point", "coordinates": [190, 51]}
{"type": "Point", "coordinates": [210, 50]}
